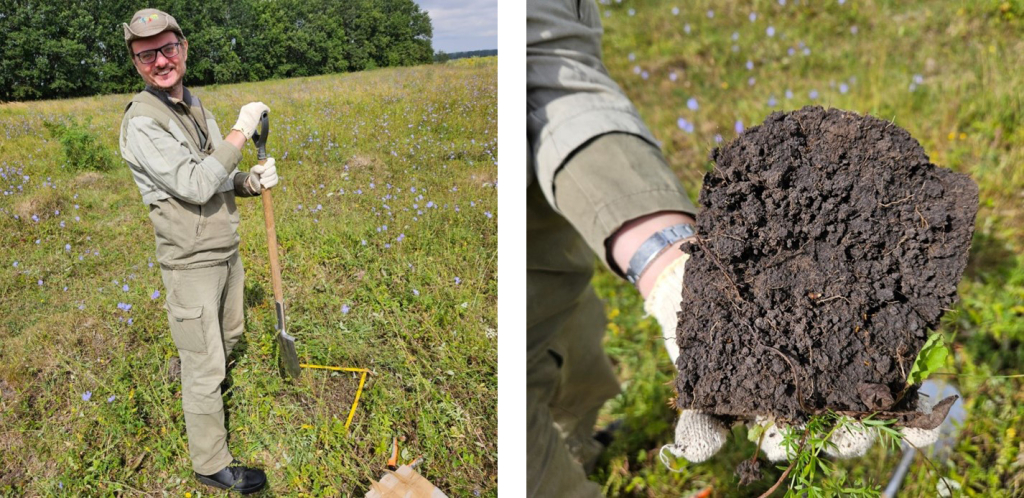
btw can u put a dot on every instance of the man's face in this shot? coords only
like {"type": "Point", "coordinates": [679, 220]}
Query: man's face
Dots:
{"type": "Point", "coordinates": [163, 73]}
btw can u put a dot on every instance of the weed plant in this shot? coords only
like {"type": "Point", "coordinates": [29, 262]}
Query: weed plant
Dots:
{"type": "Point", "coordinates": [82, 148]}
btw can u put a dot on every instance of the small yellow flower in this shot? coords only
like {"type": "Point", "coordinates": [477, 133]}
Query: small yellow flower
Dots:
{"type": "Point", "coordinates": [963, 136]}
{"type": "Point", "coordinates": [725, 85]}
{"type": "Point", "coordinates": [952, 136]}
{"type": "Point", "coordinates": [188, 495]}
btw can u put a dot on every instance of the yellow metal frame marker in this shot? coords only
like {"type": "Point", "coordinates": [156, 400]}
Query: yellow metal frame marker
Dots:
{"type": "Point", "coordinates": [362, 380]}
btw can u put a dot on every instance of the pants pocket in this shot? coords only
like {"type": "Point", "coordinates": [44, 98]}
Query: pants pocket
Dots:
{"type": "Point", "coordinates": [187, 327]}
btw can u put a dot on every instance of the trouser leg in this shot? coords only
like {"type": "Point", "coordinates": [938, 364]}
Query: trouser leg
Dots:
{"type": "Point", "coordinates": [233, 305]}
{"type": "Point", "coordinates": [587, 380]}
{"type": "Point", "coordinates": [194, 300]}
{"type": "Point", "coordinates": [568, 379]}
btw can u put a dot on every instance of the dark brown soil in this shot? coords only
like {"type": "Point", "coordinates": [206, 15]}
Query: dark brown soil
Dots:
{"type": "Point", "coordinates": [828, 248]}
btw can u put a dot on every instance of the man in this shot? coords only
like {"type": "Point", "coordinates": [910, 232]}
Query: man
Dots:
{"type": "Point", "coordinates": [188, 176]}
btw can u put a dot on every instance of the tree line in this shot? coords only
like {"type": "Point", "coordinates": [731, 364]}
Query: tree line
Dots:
{"type": "Point", "coordinates": [74, 49]}
{"type": "Point", "coordinates": [442, 56]}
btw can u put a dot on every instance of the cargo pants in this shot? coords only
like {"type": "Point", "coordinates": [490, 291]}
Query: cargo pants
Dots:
{"type": "Point", "coordinates": [568, 375]}
{"type": "Point", "coordinates": [205, 310]}
{"type": "Point", "coordinates": [615, 178]}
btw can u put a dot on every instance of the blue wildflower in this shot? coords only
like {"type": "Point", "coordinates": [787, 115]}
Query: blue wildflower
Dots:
{"type": "Point", "coordinates": [691, 103]}
{"type": "Point", "coordinates": [155, 294]}
{"type": "Point", "coordinates": [87, 396]}
{"type": "Point", "coordinates": [345, 309]}
{"type": "Point", "coordinates": [739, 127]}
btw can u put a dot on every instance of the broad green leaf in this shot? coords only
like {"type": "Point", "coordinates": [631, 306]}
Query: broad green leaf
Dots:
{"type": "Point", "coordinates": [931, 358]}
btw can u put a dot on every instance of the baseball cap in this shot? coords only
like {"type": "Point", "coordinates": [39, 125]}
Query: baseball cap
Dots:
{"type": "Point", "coordinates": [149, 22]}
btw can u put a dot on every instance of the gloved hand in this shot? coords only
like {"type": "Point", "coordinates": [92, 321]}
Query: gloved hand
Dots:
{"type": "Point", "coordinates": [262, 176]}
{"type": "Point", "coordinates": [249, 117]}
{"type": "Point", "coordinates": [851, 441]}
{"type": "Point", "coordinates": [700, 435]}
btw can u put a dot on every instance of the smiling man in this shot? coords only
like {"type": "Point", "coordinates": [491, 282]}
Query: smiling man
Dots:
{"type": "Point", "coordinates": [188, 177]}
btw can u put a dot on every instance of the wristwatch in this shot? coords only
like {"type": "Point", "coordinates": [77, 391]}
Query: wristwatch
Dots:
{"type": "Point", "coordinates": [654, 246]}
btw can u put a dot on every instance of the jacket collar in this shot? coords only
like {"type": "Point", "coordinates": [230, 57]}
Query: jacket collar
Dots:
{"type": "Point", "coordinates": [187, 99]}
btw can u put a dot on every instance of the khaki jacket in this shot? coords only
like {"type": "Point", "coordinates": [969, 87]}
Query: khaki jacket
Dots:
{"type": "Point", "coordinates": [594, 160]}
{"type": "Point", "coordinates": [187, 175]}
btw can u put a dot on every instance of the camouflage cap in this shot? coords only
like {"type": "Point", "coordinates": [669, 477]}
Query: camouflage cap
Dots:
{"type": "Point", "coordinates": [149, 22]}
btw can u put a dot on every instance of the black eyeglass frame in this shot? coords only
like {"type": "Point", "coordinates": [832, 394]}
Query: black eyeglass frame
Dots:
{"type": "Point", "coordinates": [162, 50]}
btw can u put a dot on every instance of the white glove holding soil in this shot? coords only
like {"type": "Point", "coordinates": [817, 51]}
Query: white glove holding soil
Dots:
{"type": "Point", "coordinates": [700, 435]}
{"type": "Point", "coordinates": [264, 175]}
{"type": "Point", "coordinates": [249, 117]}
{"type": "Point", "coordinates": [850, 441]}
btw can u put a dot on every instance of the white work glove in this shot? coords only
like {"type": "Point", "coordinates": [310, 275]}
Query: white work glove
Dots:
{"type": "Point", "coordinates": [700, 435]}
{"type": "Point", "coordinates": [850, 441]}
{"type": "Point", "coordinates": [249, 117]}
{"type": "Point", "coordinates": [262, 176]}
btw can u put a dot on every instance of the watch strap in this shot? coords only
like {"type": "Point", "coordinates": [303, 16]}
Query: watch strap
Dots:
{"type": "Point", "coordinates": [654, 246]}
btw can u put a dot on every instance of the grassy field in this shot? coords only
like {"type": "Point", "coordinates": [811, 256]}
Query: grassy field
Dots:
{"type": "Point", "coordinates": [949, 73]}
{"type": "Point", "coordinates": [387, 223]}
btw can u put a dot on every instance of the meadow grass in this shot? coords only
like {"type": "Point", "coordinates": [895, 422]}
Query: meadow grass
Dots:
{"type": "Point", "coordinates": [386, 219]}
{"type": "Point", "coordinates": [949, 73]}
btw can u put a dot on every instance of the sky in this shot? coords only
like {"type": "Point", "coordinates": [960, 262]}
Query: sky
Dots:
{"type": "Point", "coordinates": [463, 25]}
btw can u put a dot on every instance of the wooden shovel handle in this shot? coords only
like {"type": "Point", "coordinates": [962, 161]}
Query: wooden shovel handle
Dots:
{"type": "Point", "coordinates": [275, 264]}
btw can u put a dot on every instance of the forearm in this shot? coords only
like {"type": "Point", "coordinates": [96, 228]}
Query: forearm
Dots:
{"type": "Point", "coordinates": [235, 138]}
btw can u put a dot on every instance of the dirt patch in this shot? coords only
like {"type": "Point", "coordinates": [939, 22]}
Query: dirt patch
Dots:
{"type": "Point", "coordinates": [326, 394]}
{"type": "Point", "coordinates": [88, 179]}
{"type": "Point", "coordinates": [43, 204]}
{"type": "Point", "coordinates": [361, 162]}
{"type": "Point", "coordinates": [829, 246]}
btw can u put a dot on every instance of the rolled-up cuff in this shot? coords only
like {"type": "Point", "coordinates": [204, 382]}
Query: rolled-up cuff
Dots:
{"type": "Point", "coordinates": [228, 156]}
{"type": "Point", "coordinates": [560, 140]}
{"type": "Point", "coordinates": [616, 178]}
{"type": "Point", "coordinates": [242, 185]}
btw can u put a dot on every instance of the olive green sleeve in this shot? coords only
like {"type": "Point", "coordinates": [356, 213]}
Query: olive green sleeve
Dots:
{"type": "Point", "coordinates": [613, 179]}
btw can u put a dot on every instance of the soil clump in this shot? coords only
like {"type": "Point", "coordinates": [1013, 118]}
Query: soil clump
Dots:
{"type": "Point", "coordinates": [828, 246]}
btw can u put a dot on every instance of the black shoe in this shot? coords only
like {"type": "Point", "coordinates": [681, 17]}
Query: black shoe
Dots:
{"type": "Point", "coordinates": [235, 477]}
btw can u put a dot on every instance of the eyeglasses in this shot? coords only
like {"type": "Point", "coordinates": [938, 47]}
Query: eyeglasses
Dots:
{"type": "Point", "coordinates": [149, 56]}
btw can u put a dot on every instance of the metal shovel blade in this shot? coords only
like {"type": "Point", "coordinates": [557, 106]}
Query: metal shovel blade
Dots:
{"type": "Point", "coordinates": [289, 357]}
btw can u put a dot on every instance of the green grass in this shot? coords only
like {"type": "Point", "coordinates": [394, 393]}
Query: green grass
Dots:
{"type": "Point", "coordinates": [963, 59]}
{"type": "Point", "coordinates": [356, 295]}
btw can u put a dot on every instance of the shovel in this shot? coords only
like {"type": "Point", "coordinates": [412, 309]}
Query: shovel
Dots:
{"type": "Point", "coordinates": [285, 343]}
